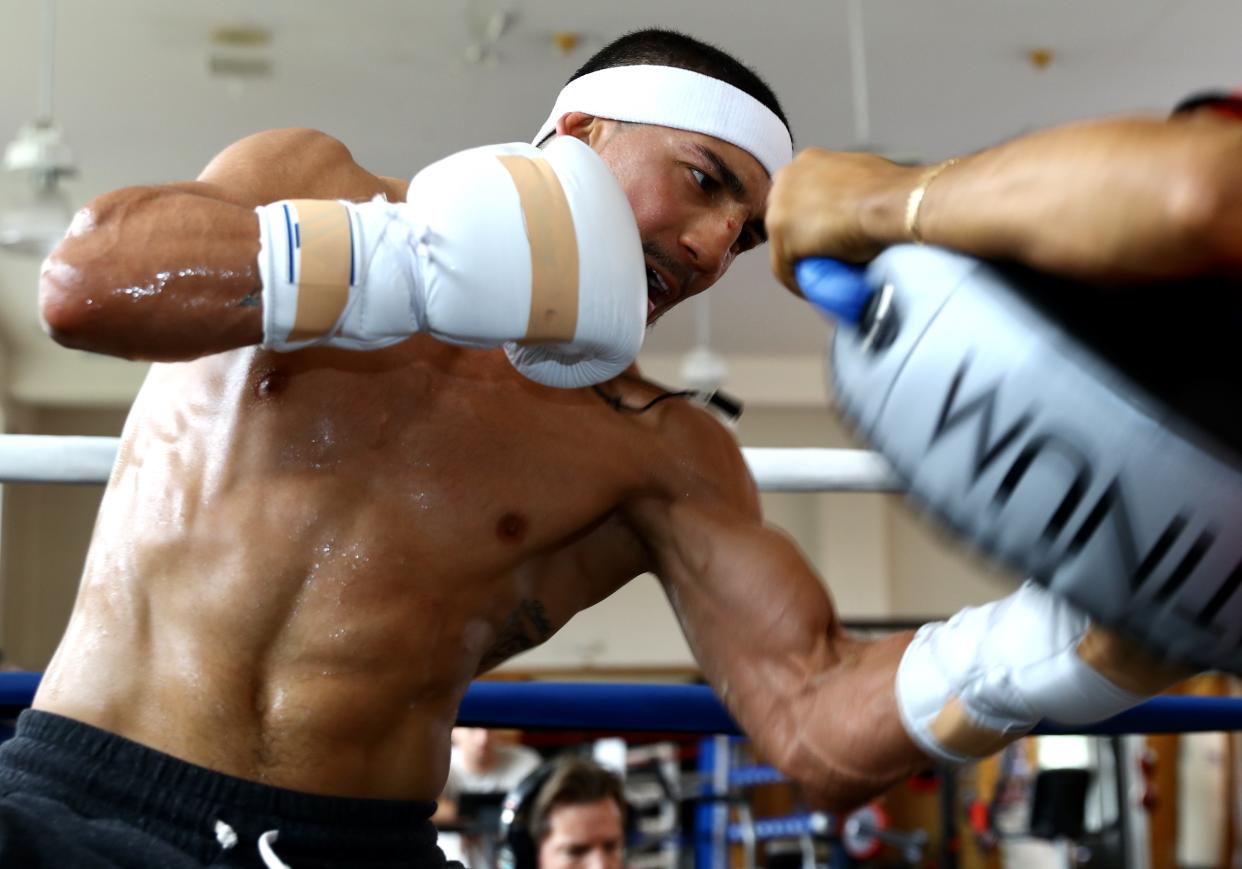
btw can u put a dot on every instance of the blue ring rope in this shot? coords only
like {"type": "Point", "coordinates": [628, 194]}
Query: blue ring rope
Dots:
{"type": "Point", "coordinates": [695, 709]}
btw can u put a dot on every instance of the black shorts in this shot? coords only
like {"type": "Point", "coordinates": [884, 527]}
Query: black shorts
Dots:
{"type": "Point", "coordinates": [72, 795]}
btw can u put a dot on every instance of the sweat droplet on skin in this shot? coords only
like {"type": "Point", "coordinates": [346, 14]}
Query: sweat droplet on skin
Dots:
{"type": "Point", "coordinates": [150, 288]}
{"type": "Point", "coordinates": [160, 281]}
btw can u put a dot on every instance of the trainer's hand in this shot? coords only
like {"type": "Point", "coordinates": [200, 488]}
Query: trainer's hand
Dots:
{"type": "Point", "coordinates": [846, 206]}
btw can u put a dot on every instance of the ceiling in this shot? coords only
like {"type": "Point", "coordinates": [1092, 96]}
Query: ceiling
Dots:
{"type": "Point", "coordinates": [390, 78]}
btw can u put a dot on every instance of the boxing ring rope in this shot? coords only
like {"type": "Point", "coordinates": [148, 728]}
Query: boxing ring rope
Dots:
{"type": "Point", "coordinates": [53, 459]}
{"type": "Point", "coordinates": [617, 707]}
{"type": "Point", "coordinates": [696, 709]}
{"type": "Point", "coordinates": [610, 707]}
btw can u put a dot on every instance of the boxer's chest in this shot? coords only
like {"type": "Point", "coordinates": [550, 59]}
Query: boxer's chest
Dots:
{"type": "Point", "coordinates": [452, 449]}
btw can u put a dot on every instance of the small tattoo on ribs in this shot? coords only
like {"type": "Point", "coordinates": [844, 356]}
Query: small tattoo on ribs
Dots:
{"type": "Point", "coordinates": [526, 627]}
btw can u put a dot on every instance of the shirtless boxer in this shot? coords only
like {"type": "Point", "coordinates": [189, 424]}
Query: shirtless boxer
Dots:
{"type": "Point", "coordinates": [302, 558]}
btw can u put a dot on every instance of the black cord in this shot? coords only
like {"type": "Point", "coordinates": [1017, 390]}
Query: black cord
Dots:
{"type": "Point", "coordinates": [727, 405]}
{"type": "Point", "coordinates": [615, 402]}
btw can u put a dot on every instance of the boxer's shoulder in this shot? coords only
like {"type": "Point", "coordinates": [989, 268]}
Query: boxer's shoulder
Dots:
{"type": "Point", "coordinates": [695, 454]}
{"type": "Point", "coordinates": [297, 161]}
{"type": "Point", "coordinates": [283, 143]}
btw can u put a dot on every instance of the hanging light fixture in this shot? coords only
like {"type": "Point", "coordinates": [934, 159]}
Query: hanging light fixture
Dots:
{"type": "Point", "coordinates": [35, 211]}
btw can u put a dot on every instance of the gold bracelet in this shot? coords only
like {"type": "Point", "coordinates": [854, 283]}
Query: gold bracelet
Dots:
{"type": "Point", "coordinates": [915, 202]}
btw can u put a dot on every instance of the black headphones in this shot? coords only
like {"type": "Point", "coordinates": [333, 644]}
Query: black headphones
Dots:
{"type": "Point", "coordinates": [1227, 103]}
{"type": "Point", "coordinates": [516, 848]}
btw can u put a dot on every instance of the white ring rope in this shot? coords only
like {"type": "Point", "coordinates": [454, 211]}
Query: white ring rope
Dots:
{"type": "Point", "coordinates": [54, 459]}
{"type": "Point", "coordinates": [821, 470]}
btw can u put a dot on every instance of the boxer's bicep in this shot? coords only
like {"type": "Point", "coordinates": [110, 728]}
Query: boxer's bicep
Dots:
{"type": "Point", "coordinates": [746, 596]}
{"type": "Point", "coordinates": [754, 611]}
{"type": "Point", "coordinates": [757, 618]}
{"type": "Point", "coordinates": [819, 704]}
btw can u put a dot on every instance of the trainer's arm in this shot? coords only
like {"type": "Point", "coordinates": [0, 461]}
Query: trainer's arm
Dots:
{"type": "Point", "coordinates": [819, 703]}
{"type": "Point", "coordinates": [170, 272]}
{"type": "Point", "coordinates": [1111, 201]}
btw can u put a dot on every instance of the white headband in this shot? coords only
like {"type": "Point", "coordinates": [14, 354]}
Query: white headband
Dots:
{"type": "Point", "coordinates": [678, 98]}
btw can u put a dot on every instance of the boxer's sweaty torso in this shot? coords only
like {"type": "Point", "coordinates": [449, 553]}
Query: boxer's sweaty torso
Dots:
{"type": "Point", "coordinates": [302, 560]}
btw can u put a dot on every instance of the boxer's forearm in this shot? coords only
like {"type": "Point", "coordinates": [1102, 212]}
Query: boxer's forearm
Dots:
{"type": "Point", "coordinates": [170, 272]}
{"type": "Point", "coordinates": [852, 745]}
{"type": "Point", "coordinates": [820, 706]}
{"type": "Point", "coordinates": [156, 273]}
{"type": "Point", "coordinates": [1108, 201]}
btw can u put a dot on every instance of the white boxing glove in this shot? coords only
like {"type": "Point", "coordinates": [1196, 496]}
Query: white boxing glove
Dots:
{"type": "Point", "coordinates": [968, 686]}
{"type": "Point", "coordinates": [535, 250]}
